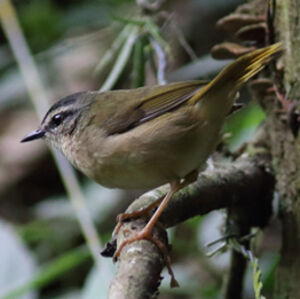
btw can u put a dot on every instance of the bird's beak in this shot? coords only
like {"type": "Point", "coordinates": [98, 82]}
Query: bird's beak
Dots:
{"type": "Point", "coordinates": [37, 134]}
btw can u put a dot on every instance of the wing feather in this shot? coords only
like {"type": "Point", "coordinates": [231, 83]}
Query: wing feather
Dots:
{"type": "Point", "coordinates": [143, 104]}
{"type": "Point", "coordinates": [169, 100]}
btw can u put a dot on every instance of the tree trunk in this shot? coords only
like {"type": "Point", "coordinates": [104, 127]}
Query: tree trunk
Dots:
{"type": "Point", "coordinates": [286, 151]}
{"type": "Point", "coordinates": [281, 130]}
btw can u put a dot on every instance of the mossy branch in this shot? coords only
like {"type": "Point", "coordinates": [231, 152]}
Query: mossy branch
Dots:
{"type": "Point", "coordinates": [244, 184]}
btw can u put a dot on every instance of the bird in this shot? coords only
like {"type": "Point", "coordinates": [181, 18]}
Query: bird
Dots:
{"type": "Point", "coordinates": [146, 137]}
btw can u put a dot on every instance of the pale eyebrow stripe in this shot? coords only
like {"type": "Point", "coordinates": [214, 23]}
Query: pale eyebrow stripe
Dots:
{"type": "Point", "coordinates": [64, 102]}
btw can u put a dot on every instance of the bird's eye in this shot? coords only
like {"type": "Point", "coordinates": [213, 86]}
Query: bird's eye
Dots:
{"type": "Point", "coordinates": [57, 119]}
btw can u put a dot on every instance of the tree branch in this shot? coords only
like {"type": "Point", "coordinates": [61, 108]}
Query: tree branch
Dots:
{"type": "Point", "coordinates": [140, 264]}
{"type": "Point", "coordinates": [245, 185]}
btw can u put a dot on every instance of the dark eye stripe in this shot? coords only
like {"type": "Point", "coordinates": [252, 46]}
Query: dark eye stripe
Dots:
{"type": "Point", "coordinates": [64, 114]}
{"type": "Point", "coordinates": [64, 102]}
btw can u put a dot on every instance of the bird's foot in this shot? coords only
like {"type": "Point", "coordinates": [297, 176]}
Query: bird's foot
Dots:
{"type": "Point", "coordinates": [146, 234]}
{"type": "Point", "coordinates": [135, 214]}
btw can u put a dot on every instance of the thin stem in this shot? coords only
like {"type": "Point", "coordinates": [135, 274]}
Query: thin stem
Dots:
{"type": "Point", "coordinates": [162, 62]}
{"type": "Point", "coordinates": [112, 51]}
{"type": "Point", "coordinates": [121, 60]}
{"type": "Point", "coordinates": [183, 42]}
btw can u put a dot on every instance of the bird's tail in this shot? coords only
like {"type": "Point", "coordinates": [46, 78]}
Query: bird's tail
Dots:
{"type": "Point", "coordinates": [238, 72]}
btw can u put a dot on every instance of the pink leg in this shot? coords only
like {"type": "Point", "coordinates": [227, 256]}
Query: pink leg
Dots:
{"type": "Point", "coordinates": [135, 214]}
{"type": "Point", "coordinates": [146, 233]}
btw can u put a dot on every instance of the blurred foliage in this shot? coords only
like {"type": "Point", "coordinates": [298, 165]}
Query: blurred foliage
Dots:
{"type": "Point", "coordinates": [45, 22]}
{"type": "Point", "coordinates": [243, 124]}
{"type": "Point", "coordinates": [42, 23]}
{"type": "Point", "coordinates": [18, 263]}
{"type": "Point", "coordinates": [51, 272]}
{"type": "Point", "coordinates": [114, 2]}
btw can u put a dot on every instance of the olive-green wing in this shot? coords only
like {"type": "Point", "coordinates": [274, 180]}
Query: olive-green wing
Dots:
{"type": "Point", "coordinates": [168, 100]}
{"type": "Point", "coordinates": [153, 102]}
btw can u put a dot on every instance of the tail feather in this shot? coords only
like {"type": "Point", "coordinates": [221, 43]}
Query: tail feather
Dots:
{"type": "Point", "coordinates": [258, 59]}
{"type": "Point", "coordinates": [240, 71]}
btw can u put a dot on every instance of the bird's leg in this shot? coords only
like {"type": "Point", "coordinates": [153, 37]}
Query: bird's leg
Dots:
{"type": "Point", "coordinates": [146, 233]}
{"type": "Point", "coordinates": [135, 214]}
{"type": "Point", "coordinates": [175, 186]}
{"type": "Point", "coordinates": [190, 178]}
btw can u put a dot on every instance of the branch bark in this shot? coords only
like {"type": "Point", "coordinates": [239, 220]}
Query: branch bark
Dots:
{"type": "Point", "coordinates": [140, 264]}
{"type": "Point", "coordinates": [245, 185]}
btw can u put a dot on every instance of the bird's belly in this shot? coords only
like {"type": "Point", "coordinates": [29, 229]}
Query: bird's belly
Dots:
{"type": "Point", "coordinates": [138, 167]}
{"type": "Point", "coordinates": [131, 178]}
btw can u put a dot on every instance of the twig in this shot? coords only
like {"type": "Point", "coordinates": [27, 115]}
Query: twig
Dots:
{"type": "Point", "coordinates": [181, 38]}
{"type": "Point", "coordinates": [243, 251]}
{"type": "Point", "coordinates": [234, 283]}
